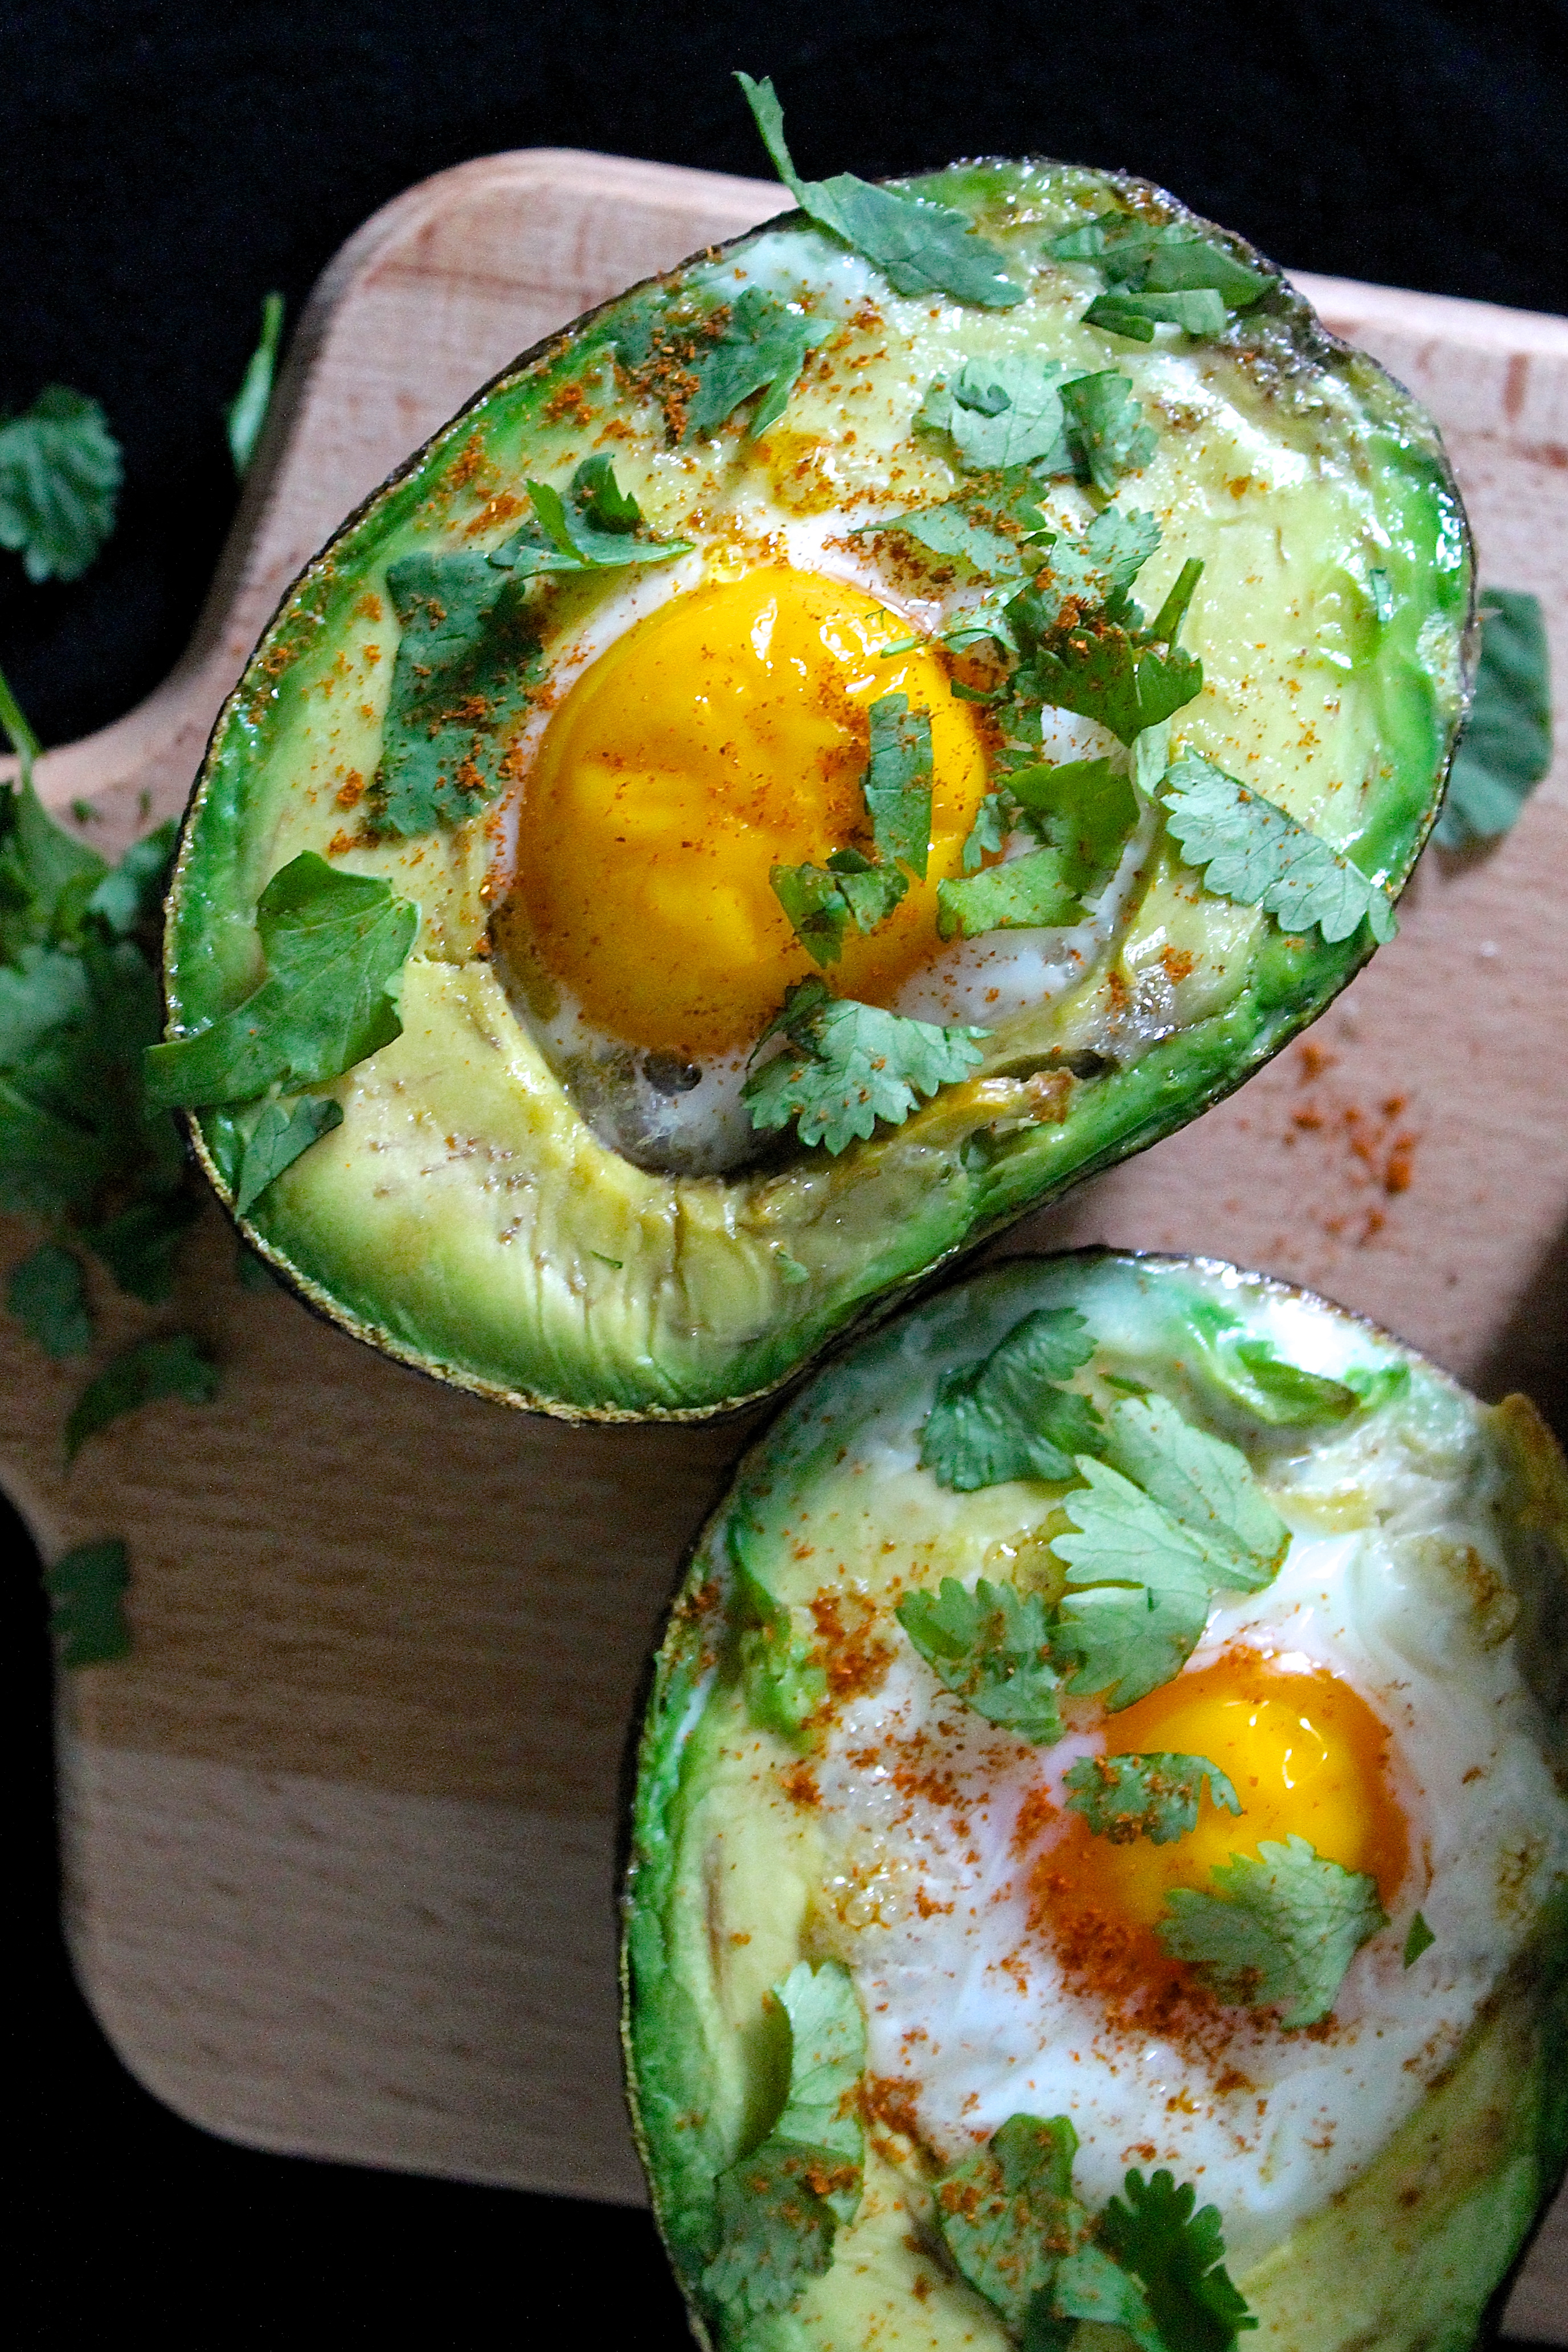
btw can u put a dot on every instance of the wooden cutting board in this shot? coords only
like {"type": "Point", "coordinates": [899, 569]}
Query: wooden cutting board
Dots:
{"type": "Point", "coordinates": [340, 1834]}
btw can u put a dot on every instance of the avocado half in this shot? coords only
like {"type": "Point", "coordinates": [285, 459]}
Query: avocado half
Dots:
{"type": "Point", "coordinates": [463, 1210]}
{"type": "Point", "coordinates": [854, 2001]}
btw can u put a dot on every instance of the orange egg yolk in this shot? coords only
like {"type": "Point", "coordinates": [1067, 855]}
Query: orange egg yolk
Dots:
{"type": "Point", "coordinates": [1306, 1755]}
{"type": "Point", "coordinates": [725, 734]}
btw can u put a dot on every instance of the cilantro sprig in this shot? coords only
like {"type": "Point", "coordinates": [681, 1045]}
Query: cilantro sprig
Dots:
{"type": "Point", "coordinates": [781, 2207]}
{"type": "Point", "coordinates": [844, 1065]}
{"type": "Point", "coordinates": [920, 247]}
{"type": "Point", "coordinates": [1506, 747]}
{"type": "Point", "coordinates": [1026, 893]}
{"type": "Point", "coordinates": [1155, 1796]}
{"type": "Point", "coordinates": [466, 665]}
{"type": "Point", "coordinates": [595, 527]}
{"type": "Point", "coordinates": [991, 1648]}
{"type": "Point", "coordinates": [1006, 1415]}
{"type": "Point", "coordinates": [1206, 1487]}
{"type": "Point", "coordinates": [1259, 855]}
{"type": "Point", "coordinates": [760, 346]}
{"type": "Point", "coordinates": [247, 412]}
{"type": "Point", "coordinates": [1022, 2238]}
{"type": "Point", "coordinates": [61, 472]}
{"type": "Point", "coordinates": [1279, 1930]}
{"type": "Point", "coordinates": [1024, 416]}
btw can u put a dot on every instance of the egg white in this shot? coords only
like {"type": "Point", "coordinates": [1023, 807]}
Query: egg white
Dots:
{"type": "Point", "coordinates": [928, 1901]}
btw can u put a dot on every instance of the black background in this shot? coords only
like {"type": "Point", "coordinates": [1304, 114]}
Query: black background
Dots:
{"type": "Point", "coordinates": [162, 166]}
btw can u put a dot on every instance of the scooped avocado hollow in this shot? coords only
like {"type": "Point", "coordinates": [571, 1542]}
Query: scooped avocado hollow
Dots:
{"type": "Point", "coordinates": [1099, 1871]}
{"type": "Point", "coordinates": [827, 751]}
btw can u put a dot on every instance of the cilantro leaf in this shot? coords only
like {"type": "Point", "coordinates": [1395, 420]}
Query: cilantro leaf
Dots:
{"type": "Point", "coordinates": [1281, 1395]}
{"type": "Point", "coordinates": [1281, 1931]}
{"type": "Point", "coordinates": [1028, 893]}
{"type": "Point", "coordinates": [991, 1647]}
{"type": "Point", "coordinates": [335, 945]}
{"type": "Point", "coordinates": [1102, 673]}
{"type": "Point", "coordinates": [277, 1140]}
{"type": "Point", "coordinates": [247, 412]}
{"type": "Point", "coordinates": [590, 530]}
{"type": "Point", "coordinates": [898, 780]}
{"type": "Point", "coordinates": [1086, 809]}
{"type": "Point", "coordinates": [1179, 2257]}
{"type": "Point", "coordinates": [1506, 747]}
{"type": "Point", "coordinates": [761, 345]}
{"type": "Point", "coordinates": [1180, 261]}
{"type": "Point", "coordinates": [779, 2209]}
{"type": "Point", "coordinates": [920, 247]}
{"type": "Point", "coordinates": [1419, 1939]}
{"type": "Point", "coordinates": [176, 1366]}
{"type": "Point", "coordinates": [1257, 856]}
{"type": "Point", "coordinates": [1156, 1796]}
{"type": "Point", "coordinates": [1205, 1485]}
{"type": "Point", "coordinates": [821, 902]}
{"type": "Point", "coordinates": [1008, 412]}
{"type": "Point", "coordinates": [957, 528]}
{"type": "Point", "coordinates": [1091, 2284]}
{"type": "Point", "coordinates": [61, 472]}
{"type": "Point", "coordinates": [138, 1245]}
{"type": "Point", "coordinates": [1105, 428]}
{"type": "Point", "coordinates": [1197, 312]}
{"type": "Point", "coordinates": [994, 820]}
{"type": "Point", "coordinates": [1003, 1416]}
{"type": "Point", "coordinates": [132, 893]}
{"type": "Point", "coordinates": [1100, 568]}
{"type": "Point", "coordinates": [87, 1593]}
{"type": "Point", "coordinates": [604, 503]}
{"type": "Point", "coordinates": [48, 1295]}
{"type": "Point", "coordinates": [845, 1065]}
{"type": "Point", "coordinates": [1148, 1602]}
{"type": "Point", "coordinates": [463, 668]}
{"type": "Point", "coordinates": [1009, 2216]}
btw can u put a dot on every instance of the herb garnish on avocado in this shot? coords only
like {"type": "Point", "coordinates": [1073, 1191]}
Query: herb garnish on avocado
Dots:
{"type": "Point", "coordinates": [1154, 1796]}
{"type": "Point", "coordinates": [1279, 1931]}
{"type": "Point", "coordinates": [845, 1065]}
{"type": "Point", "coordinates": [991, 1647]}
{"type": "Point", "coordinates": [1259, 855]}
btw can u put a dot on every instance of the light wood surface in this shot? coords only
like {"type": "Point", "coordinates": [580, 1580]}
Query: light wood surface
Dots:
{"type": "Point", "coordinates": [340, 1832]}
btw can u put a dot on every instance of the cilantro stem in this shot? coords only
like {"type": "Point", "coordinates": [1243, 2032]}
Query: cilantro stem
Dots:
{"type": "Point", "coordinates": [1165, 626]}
{"type": "Point", "coordinates": [23, 740]}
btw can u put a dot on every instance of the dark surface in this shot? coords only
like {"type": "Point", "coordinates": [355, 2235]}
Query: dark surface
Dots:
{"type": "Point", "coordinates": [161, 166]}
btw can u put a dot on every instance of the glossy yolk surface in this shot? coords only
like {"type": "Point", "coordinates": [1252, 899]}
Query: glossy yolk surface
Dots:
{"type": "Point", "coordinates": [725, 734]}
{"type": "Point", "coordinates": [1305, 1754]}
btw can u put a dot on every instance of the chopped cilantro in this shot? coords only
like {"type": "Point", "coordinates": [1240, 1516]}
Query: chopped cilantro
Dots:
{"type": "Point", "coordinates": [1086, 809]}
{"type": "Point", "coordinates": [465, 666]}
{"type": "Point", "coordinates": [1148, 1591]}
{"type": "Point", "coordinates": [1205, 1485]}
{"type": "Point", "coordinates": [920, 247]}
{"type": "Point", "coordinates": [1006, 1416]}
{"type": "Point", "coordinates": [335, 945]}
{"type": "Point", "coordinates": [1105, 428]}
{"type": "Point", "coordinates": [247, 412]}
{"type": "Point", "coordinates": [60, 470]}
{"type": "Point", "coordinates": [1028, 893]}
{"type": "Point", "coordinates": [174, 1366]}
{"type": "Point", "coordinates": [590, 530]}
{"type": "Point", "coordinates": [971, 527]}
{"type": "Point", "coordinates": [1156, 1796]}
{"type": "Point", "coordinates": [1178, 2256]}
{"type": "Point", "coordinates": [1198, 312]}
{"type": "Point", "coordinates": [1091, 2285]}
{"type": "Point", "coordinates": [1281, 1930]}
{"type": "Point", "coordinates": [845, 1065]}
{"type": "Point", "coordinates": [605, 505]}
{"type": "Point", "coordinates": [48, 1295]}
{"type": "Point", "coordinates": [1419, 1939]}
{"type": "Point", "coordinates": [784, 1682]}
{"type": "Point", "coordinates": [1280, 1394]}
{"type": "Point", "coordinates": [821, 902]}
{"type": "Point", "coordinates": [1506, 747]}
{"type": "Point", "coordinates": [277, 1140]}
{"type": "Point", "coordinates": [994, 821]}
{"type": "Point", "coordinates": [1008, 412]}
{"type": "Point", "coordinates": [1259, 855]}
{"type": "Point", "coordinates": [1008, 2216]}
{"type": "Point", "coordinates": [991, 1647]}
{"type": "Point", "coordinates": [898, 780]}
{"type": "Point", "coordinates": [1105, 673]}
{"type": "Point", "coordinates": [87, 1589]}
{"type": "Point", "coordinates": [139, 1244]}
{"type": "Point", "coordinates": [779, 2207]}
{"type": "Point", "coordinates": [760, 345]}
{"type": "Point", "coordinates": [1099, 569]}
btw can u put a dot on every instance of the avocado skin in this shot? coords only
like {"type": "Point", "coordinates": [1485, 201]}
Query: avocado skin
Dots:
{"type": "Point", "coordinates": [1419, 2252]}
{"type": "Point", "coordinates": [696, 1321]}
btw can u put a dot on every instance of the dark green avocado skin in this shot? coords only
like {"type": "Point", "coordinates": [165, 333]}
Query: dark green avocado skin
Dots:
{"type": "Point", "coordinates": [653, 1303]}
{"type": "Point", "coordinates": [1419, 2252]}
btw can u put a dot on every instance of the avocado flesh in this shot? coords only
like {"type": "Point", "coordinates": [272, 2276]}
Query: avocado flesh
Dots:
{"type": "Point", "coordinates": [465, 1215]}
{"type": "Point", "coordinates": [732, 1877]}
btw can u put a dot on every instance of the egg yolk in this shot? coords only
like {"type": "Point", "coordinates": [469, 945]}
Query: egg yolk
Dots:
{"type": "Point", "coordinates": [727, 733]}
{"type": "Point", "coordinates": [1305, 1754]}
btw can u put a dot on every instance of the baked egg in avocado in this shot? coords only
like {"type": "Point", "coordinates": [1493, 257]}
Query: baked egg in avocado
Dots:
{"type": "Point", "coordinates": [1100, 1861]}
{"type": "Point", "coordinates": [819, 756]}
